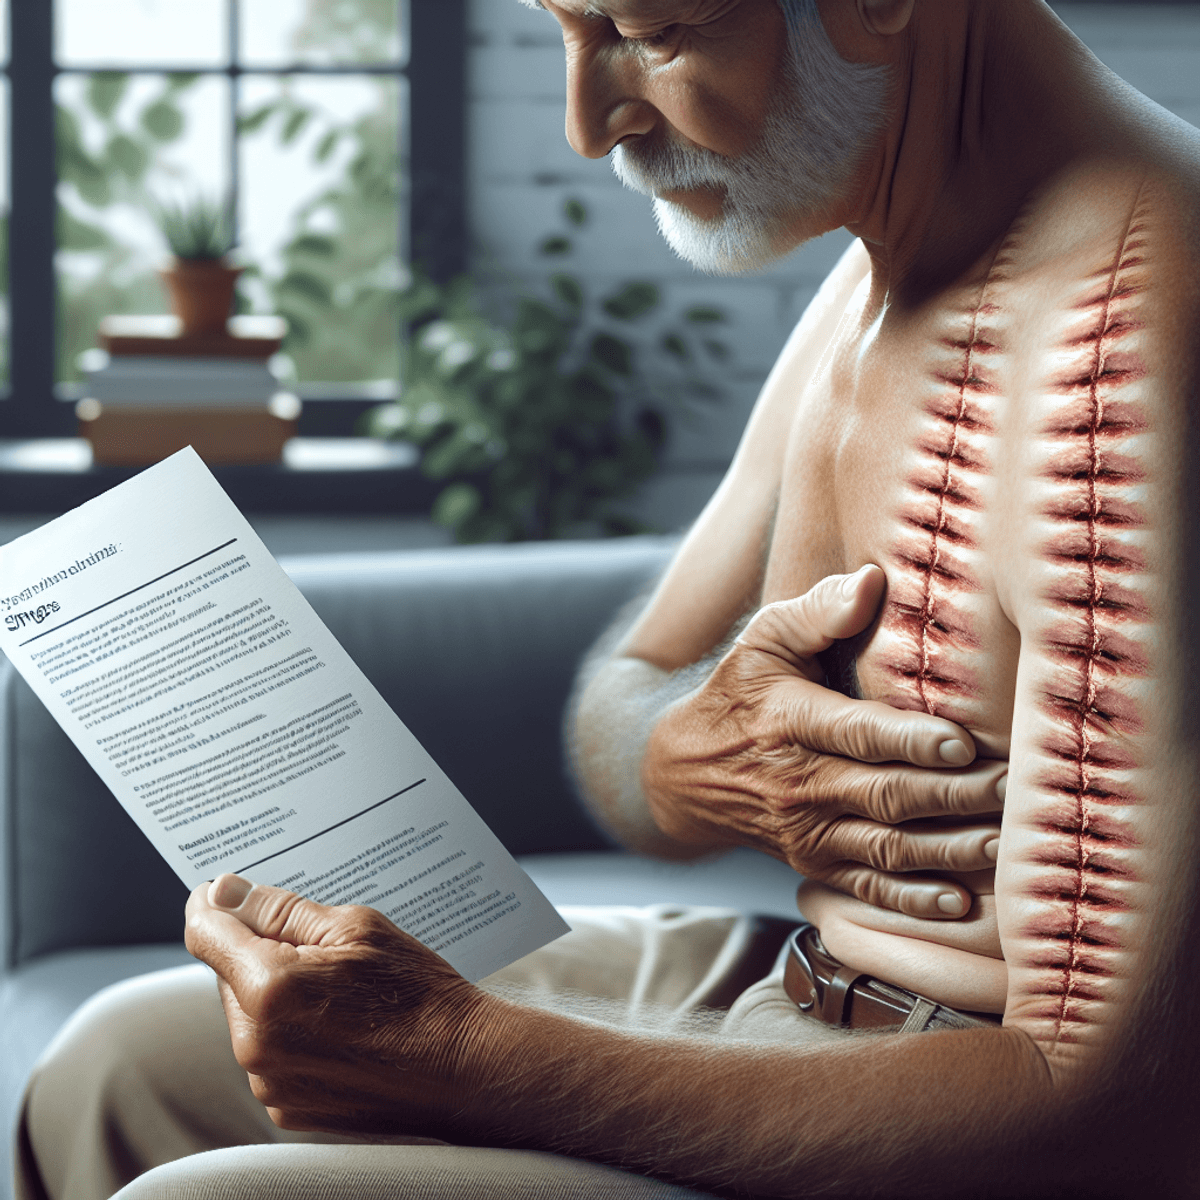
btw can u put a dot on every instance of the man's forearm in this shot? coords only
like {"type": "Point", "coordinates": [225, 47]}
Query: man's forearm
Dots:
{"type": "Point", "coordinates": [918, 1114]}
{"type": "Point", "coordinates": [617, 705]}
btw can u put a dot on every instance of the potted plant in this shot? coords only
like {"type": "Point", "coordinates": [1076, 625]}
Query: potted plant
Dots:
{"type": "Point", "coordinates": [200, 280]}
{"type": "Point", "coordinates": [540, 416]}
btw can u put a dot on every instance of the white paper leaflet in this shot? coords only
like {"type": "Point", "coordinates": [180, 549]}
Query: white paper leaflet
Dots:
{"type": "Point", "coordinates": [171, 647]}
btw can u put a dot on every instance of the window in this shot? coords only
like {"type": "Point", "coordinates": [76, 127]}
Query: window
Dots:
{"type": "Point", "coordinates": [335, 126]}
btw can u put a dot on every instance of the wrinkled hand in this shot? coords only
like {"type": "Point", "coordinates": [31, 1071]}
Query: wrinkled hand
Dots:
{"type": "Point", "coordinates": [343, 1022]}
{"type": "Point", "coordinates": [764, 755]}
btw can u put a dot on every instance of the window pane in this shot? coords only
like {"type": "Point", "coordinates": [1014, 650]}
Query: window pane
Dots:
{"type": "Point", "coordinates": [125, 143]}
{"type": "Point", "coordinates": [328, 32]}
{"type": "Point", "coordinates": [4, 231]}
{"type": "Point", "coordinates": [4, 35]}
{"type": "Point", "coordinates": [183, 33]}
{"type": "Point", "coordinates": [320, 218]}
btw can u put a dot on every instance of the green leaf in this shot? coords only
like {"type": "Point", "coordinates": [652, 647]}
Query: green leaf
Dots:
{"type": "Point", "coordinates": [292, 127]}
{"type": "Point", "coordinates": [613, 353]}
{"type": "Point", "coordinates": [576, 212]}
{"type": "Point", "coordinates": [92, 182]}
{"type": "Point", "coordinates": [104, 92]}
{"type": "Point", "coordinates": [556, 245]}
{"type": "Point", "coordinates": [317, 244]}
{"type": "Point", "coordinates": [128, 156]}
{"type": "Point", "coordinates": [676, 347]}
{"type": "Point", "coordinates": [457, 504]}
{"type": "Point", "coordinates": [74, 234]}
{"type": "Point", "coordinates": [180, 81]}
{"type": "Point", "coordinates": [66, 130]}
{"type": "Point", "coordinates": [162, 120]}
{"type": "Point", "coordinates": [326, 146]}
{"type": "Point", "coordinates": [632, 301]}
{"type": "Point", "coordinates": [651, 424]}
{"type": "Point", "coordinates": [386, 421]}
{"type": "Point", "coordinates": [299, 331]}
{"type": "Point", "coordinates": [308, 285]}
{"type": "Point", "coordinates": [255, 120]}
{"type": "Point", "coordinates": [702, 315]}
{"type": "Point", "coordinates": [567, 289]}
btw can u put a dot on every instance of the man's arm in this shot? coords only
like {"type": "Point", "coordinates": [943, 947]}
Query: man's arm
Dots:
{"type": "Point", "coordinates": [345, 1023]}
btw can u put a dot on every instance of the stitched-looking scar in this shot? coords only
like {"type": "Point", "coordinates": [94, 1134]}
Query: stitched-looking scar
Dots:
{"type": "Point", "coordinates": [1093, 649]}
{"type": "Point", "coordinates": [927, 622]}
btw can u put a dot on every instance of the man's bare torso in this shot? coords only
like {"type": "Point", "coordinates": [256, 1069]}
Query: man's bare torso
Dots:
{"type": "Point", "coordinates": [1003, 429]}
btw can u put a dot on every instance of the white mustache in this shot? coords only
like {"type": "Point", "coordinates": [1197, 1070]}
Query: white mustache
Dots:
{"type": "Point", "coordinates": [669, 167]}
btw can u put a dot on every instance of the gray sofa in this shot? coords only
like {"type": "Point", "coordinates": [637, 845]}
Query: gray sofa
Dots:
{"type": "Point", "coordinates": [474, 648]}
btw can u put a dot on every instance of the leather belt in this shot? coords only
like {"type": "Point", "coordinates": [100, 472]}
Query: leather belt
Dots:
{"type": "Point", "coordinates": [839, 995]}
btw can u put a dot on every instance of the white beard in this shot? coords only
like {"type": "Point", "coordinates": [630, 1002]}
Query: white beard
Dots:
{"type": "Point", "coordinates": [814, 139]}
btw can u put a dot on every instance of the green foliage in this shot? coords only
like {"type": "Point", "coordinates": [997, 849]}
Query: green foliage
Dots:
{"type": "Point", "coordinates": [162, 121]}
{"type": "Point", "coordinates": [112, 168]}
{"type": "Point", "coordinates": [339, 281]}
{"type": "Point", "coordinates": [358, 31]}
{"type": "Point", "coordinates": [632, 301]}
{"type": "Point", "coordinates": [104, 91]}
{"type": "Point", "coordinates": [540, 422]}
{"type": "Point", "coordinates": [199, 231]}
{"type": "Point", "coordinates": [339, 287]}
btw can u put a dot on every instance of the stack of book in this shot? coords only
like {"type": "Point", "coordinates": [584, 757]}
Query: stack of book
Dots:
{"type": "Point", "coordinates": [153, 390]}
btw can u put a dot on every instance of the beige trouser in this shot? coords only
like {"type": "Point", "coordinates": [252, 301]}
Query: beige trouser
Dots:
{"type": "Point", "coordinates": [140, 1094]}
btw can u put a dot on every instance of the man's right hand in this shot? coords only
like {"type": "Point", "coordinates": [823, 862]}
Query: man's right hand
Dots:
{"type": "Point", "coordinates": [764, 755]}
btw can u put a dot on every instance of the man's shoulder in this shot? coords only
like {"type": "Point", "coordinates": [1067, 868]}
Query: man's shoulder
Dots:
{"type": "Point", "coordinates": [1121, 211]}
{"type": "Point", "coordinates": [1104, 264]}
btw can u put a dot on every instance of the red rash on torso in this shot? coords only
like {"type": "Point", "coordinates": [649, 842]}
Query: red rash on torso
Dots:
{"type": "Point", "coordinates": [998, 442]}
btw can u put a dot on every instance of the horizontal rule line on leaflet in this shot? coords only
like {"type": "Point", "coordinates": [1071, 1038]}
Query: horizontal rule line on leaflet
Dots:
{"type": "Point", "coordinates": [313, 838]}
{"type": "Point", "coordinates": [140, 587]}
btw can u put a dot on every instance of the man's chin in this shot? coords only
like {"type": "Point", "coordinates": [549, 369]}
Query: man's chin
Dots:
{"type": "Point", "coordinates": [728, 245]}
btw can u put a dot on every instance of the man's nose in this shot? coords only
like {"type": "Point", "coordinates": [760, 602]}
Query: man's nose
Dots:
{"type": "Point", "coordinates": [604, 100]}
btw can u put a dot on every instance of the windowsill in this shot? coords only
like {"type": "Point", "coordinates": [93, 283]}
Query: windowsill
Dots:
{"type": "Point", "coordinates": [316, 475]}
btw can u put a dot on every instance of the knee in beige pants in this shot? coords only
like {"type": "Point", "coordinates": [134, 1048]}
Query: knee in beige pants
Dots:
{"type": "Point", "coordinates": [143, 1075]}
{"type": "Point", "coordinates": [392, 1173]}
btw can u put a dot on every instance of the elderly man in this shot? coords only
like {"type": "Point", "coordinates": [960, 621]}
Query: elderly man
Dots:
{"type": "Point", "coordinates": [988, 409]}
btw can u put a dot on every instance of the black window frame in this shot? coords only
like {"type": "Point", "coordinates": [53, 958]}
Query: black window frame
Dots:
{"type": "Point", "coordinates": [433, 146]}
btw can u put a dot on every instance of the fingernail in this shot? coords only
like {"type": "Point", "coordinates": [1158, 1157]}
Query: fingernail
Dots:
{"type": "Point", "coordinates": [992, 849]}
{"type": "Point", "coordinates": [955, 753]}
{"type": "Point", "coordinates": [229, 891]}
{"type": "Point", "coordinates": [1002, 786]}
{"type": "Point", "coordinates": [850, 585]}
{"type": "Point", "coordinates": [951, 902]}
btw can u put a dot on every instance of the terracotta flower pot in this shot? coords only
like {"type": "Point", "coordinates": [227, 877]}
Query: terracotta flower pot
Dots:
{"type": "Point", "coordinates": [201, 292]}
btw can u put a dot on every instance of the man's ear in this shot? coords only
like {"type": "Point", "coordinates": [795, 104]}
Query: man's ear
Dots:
{"type": "Point", "coordinates": [886, 16]}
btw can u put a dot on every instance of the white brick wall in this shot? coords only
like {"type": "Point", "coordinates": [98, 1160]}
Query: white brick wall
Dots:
{"type": "Point", "coordinates": [521, 169]}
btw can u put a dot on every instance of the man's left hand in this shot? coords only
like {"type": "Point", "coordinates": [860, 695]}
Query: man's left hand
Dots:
{"type": "Point", "coordinates": [343, 1022]}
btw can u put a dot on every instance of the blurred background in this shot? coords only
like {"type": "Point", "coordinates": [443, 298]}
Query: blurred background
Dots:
{"type": "Point", "coordinates": [372, 152]}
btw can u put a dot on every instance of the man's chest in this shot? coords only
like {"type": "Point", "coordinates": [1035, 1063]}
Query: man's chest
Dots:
{"type": "Point", "coordinates": [994, 443]}
{"type": "Point", "coordinates": [901, 455]}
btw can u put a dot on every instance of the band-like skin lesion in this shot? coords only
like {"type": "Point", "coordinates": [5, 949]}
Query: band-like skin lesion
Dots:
{"type": "Point", "coordinates": [928, 635]}
{"type": "Point", "coordinates": [1081, 868]}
